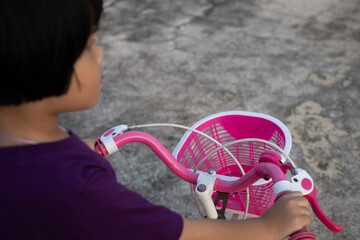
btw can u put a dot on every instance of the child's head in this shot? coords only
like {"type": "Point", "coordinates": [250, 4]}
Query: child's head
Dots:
{"type": "Point", "coordinates": [40, 42]}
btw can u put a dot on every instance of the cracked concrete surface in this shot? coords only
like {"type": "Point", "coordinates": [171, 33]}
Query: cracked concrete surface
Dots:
{"type": "Point", "coordinates": [179, 61]}
{"type": "Point", "coordinates": [319, 154]}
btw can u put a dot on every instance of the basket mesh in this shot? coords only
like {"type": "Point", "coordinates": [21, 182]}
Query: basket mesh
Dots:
{"type": "Point", "coordinates": [226, 129]}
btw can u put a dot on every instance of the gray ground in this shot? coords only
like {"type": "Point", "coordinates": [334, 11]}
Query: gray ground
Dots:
{"type": "Point", "coordinates": [179, 61]}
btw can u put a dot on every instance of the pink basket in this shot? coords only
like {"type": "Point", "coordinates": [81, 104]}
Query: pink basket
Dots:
{"type": "Point", "coordinates": [227, 127]}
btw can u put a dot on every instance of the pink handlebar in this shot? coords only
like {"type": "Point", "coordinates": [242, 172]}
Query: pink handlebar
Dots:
{"type": "Point", "coordinates": [268, 167]}
{"type": "Point", "coordinates": [264, 170]}
{"type": "Point", "coordinates": [156, 147]}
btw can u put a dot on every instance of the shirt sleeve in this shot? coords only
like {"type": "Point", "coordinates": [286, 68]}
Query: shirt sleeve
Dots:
{"type": "Point", "coordinates": [108, 210]}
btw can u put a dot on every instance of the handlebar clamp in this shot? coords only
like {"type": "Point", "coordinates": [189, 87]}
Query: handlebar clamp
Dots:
{"type": "Point", "coordinates": [301, 182]}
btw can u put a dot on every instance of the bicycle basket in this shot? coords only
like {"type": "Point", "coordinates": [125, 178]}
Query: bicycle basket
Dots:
{"type": "Point", "coordinates": [226, 127]}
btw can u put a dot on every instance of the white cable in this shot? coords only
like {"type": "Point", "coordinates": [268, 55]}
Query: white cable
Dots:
{"type": "Point", "coordinates": [191, 129]}
{"type": "Point", "coordinates": [210, 138]}
{"type": "Point", "coordinates": [247, 140]}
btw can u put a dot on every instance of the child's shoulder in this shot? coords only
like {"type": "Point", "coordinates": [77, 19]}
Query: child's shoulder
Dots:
{"type": "Point", "coordinates": [68, 163]}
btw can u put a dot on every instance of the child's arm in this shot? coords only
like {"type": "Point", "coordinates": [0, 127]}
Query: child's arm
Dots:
{"type": "Point", "coordinates": [289, 214]}
{"type": "Point", "coordinates": [89, 142]}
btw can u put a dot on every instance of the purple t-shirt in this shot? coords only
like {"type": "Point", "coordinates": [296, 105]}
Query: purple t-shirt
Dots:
{"type": "Point", "coordinates": [64, 190]}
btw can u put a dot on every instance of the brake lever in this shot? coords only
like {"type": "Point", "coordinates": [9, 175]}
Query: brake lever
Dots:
{"type": "Point", "coordinates": [302, 182]}
{"type": "Point", "coordinates": [305, 184]}
{"type": "Point", "coordinates": [320, 214]}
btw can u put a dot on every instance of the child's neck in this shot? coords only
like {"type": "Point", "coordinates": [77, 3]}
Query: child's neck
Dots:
{"type": "Point", "coordinates": [34, 121]}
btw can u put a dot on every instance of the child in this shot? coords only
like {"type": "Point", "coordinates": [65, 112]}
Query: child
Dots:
{"type": "Point", "coordinates": [53, 186]}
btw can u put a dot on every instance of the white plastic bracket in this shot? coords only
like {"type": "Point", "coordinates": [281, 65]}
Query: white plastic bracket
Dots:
{"type": "Point", "coordinates": [204, 190]}
{"type": "Point", "coordinates": [301, 182]}
{"type": "Point", "coordinates": [107, 138]}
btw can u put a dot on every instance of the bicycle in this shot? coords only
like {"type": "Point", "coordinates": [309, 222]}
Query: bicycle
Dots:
{"type": "Point", "coordinates": [236, 162]}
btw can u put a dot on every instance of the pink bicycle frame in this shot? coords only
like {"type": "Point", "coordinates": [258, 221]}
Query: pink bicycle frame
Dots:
{"type": "Point", "coordinates": [267, 168]}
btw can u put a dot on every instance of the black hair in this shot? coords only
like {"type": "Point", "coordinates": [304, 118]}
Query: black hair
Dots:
{"type": "Point", "coordinates": [40, 41]}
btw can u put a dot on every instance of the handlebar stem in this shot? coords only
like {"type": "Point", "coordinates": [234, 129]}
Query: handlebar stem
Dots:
{"type": "Point", "coordinates": [204, 190]}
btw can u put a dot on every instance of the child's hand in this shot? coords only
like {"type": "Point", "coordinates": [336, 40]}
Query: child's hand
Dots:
{"type": "Point", "coordinates": [289, 214]}
{"type": "Point", "coordinates": [89, 142]}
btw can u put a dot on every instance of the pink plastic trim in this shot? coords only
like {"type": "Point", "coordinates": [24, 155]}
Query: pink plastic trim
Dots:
{"type": "Point", "coordinates": [306, 184]}
{"type": "Point", "coordinates": [109, 132]}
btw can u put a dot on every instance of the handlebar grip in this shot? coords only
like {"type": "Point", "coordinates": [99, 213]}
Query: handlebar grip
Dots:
{"type": "Point", "coordinates": [303, 234]}
{"type": "Point", "coordinates": [100, 149]}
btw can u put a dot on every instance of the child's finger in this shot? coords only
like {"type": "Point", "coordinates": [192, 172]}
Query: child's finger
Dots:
{"type": "Point", "coordinates": [303, 211]}
{"type": "Point", "coordinates": [296, 197]}
{"type": "Point", "coordinates": [302, 201]}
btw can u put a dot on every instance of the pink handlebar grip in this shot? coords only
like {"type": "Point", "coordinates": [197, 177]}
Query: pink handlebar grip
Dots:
{"type": "Point", "coordinates": [303, 234]}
